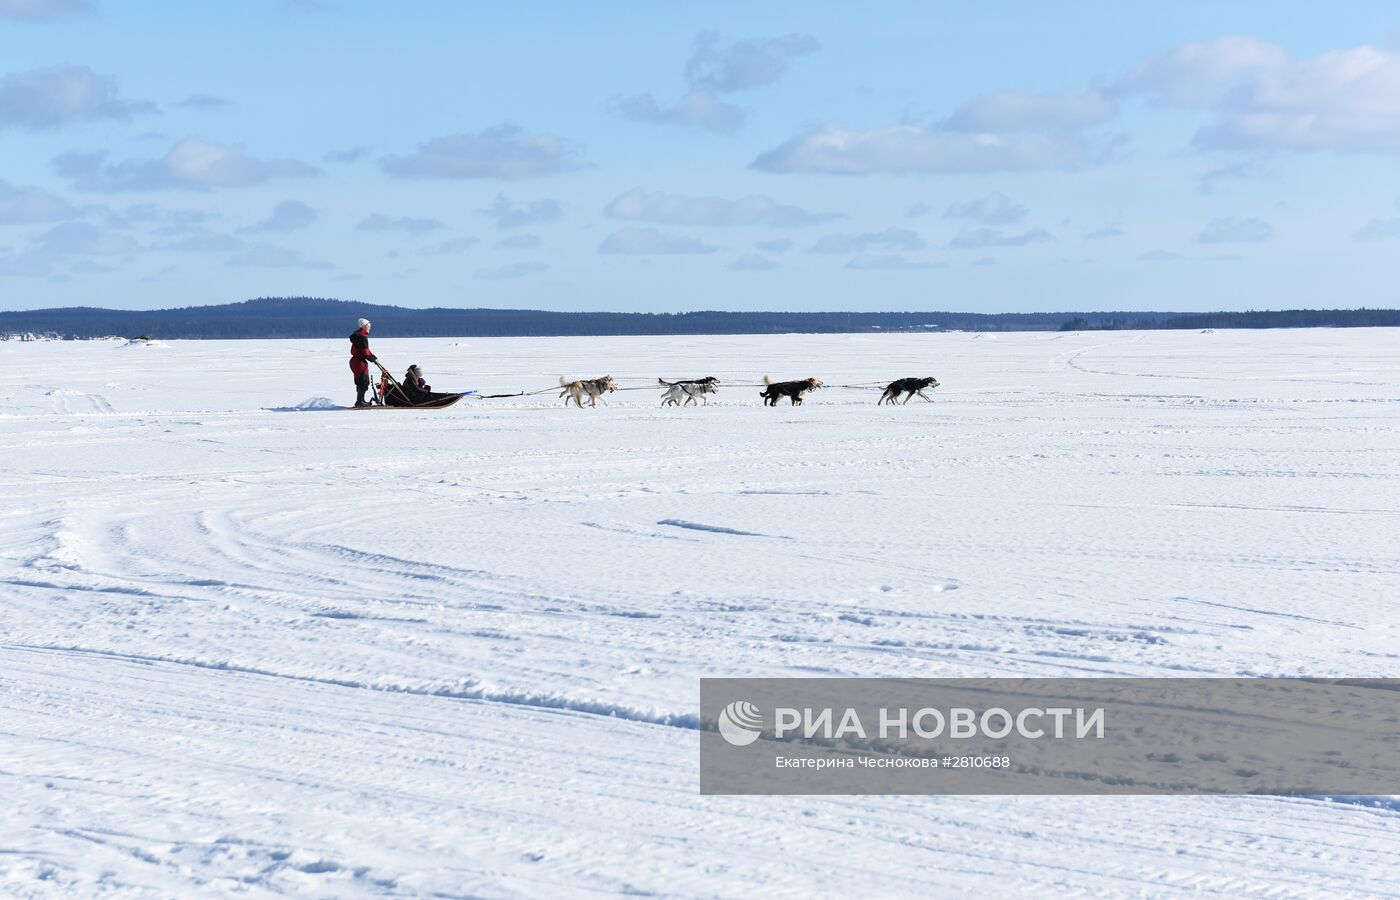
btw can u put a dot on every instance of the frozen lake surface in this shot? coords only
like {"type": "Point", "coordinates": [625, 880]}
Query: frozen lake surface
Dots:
{"type": "Point", "coordinates": [252, 649]}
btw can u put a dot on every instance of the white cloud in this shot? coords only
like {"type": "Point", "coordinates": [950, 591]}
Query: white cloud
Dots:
{"type": "Point", "coordinates": [649, 241]}
{"type": "Point", "coordinates": [514, 270]}
{"type": "Point", "coordinates": [744, 65]}
{"type": "Point", "coordinates": [1265, 98]}
{"type": "Point", "coordinates": [908, 147]}
{"type": "Point", "coordinates": [455, 245]}
{"type": "Point", "coordinates": [88, 267]}
{"type": "Point", "coordinates": [1231, 230]}
{"type": "Point", "coordinates": [381, 222]}
{"type": "Point", "coordinates": [504, 151]}
{"type": "Point", "coordinates": [509, 214]}
{"type": "Point", "coordinates": [697, 109]}
{"type": "Point", "coordinates": [82, 238]}
{"type": "Point", "coordinates": [1262, 97]}
{"type": "Point", "coordinates": [753, 262]}
{"type": "Point", "coordinates": [1111, 230]}
{"type": "Point", "coordinates": [887, 262]}
{"type": "Point", "coordinates": [994, 209]}
{"type": "Point", "coordinates": [977, 238]}
{"type": "Point", "coordinates": [192, 164]}
{"type": "Point", "coordinates": [717, 67]}
{"type": "Point", "coordinates": [1201, 73]}
{"type": "Point", "coordinates": [348, 155]}
{"type": "Point", "coordinates": [778, 245]}
{"type": "Point", "coordinates": [519, 242]}
{"type": "Point", "coordinates": [1345, 100]}
{"type": "Point", "coordinates": [1010, 111]}
{"type": "Point", "coordinates": [203, 242]}
{"type": "Point", "coordinates": [21, 205]}
{"type": "Point", "coordinates": [165, 222]}
{"type": "Point", "coordinates": [289, 215]}
{"type": "Point", "coordinates": [1159, 256]}
{"type": "Point", "coordinates": [42, 9]}
{"type": "Point", "coordinates": [1236, 171]}
{"type": "Point", "coordinates": [673, 209]}
{"type": "Point", "coordinates": [889, 239]}
{"type": "Point", "coordinates": [43, 99]}
{"type": "Point", "coordinates": [264, 256]}
{"type": "Point", "coordinates": [205, 102]}
{"type": "Point", "coordinates": [29, 264]}
{"type": "Point", "coordinates": [1379, 230]}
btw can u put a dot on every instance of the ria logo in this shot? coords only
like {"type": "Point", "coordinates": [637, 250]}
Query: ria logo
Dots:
{"type": "Point", "coordinates": [740, 723]}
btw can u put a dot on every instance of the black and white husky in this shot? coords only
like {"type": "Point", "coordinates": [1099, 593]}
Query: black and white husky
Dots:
{"type": "Point", "coordinates": [689, 390]}
{"type": "Point", "coordinates": [908, 386]}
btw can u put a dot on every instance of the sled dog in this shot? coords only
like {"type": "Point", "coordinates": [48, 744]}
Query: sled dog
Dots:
{"type": "Point", "coordinates": [909, 386]}
{"type": "Point", "coordinates": [593, 389]}
{"type": "Point", "coordinates": [793, 390]}
{"type": "Point", "coordinates": [697, 387]}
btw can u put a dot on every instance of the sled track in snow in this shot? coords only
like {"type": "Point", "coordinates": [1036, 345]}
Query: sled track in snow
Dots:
{"type": "Point", "coordinates": [397, 659]}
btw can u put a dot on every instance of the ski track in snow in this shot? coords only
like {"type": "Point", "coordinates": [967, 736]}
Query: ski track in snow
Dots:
{"type": "Point", "coordinates": [249, 648]}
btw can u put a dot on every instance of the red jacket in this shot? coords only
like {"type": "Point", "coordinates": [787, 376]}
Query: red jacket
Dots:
{"type": "Point", "coordinates": [360, 355]}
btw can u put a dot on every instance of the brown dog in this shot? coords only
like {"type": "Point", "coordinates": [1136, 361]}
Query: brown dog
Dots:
{"type": "Point", "coordinates": [593, 389]}
{"type": "Point", "coordinates": [793, 390]}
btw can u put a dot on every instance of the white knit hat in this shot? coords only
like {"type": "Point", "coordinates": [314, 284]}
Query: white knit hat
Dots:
{"type": "Point", "coordinates": [362, 323]}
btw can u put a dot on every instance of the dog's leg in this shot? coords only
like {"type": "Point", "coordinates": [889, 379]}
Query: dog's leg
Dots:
{"type": "Point", "coordinates": [925, 396]}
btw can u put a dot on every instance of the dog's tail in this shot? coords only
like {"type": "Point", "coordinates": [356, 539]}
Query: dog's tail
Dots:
{"type": "Point", "coordinates": [767, 380]}
{"type": "Point", "coordinates": [564, 381]}
{"type": "Point", "coordinates": [663, 382]}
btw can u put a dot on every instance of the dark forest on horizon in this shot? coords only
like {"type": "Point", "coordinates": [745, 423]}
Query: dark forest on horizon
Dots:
{"type": "Point", "coordinates": [307, 317]}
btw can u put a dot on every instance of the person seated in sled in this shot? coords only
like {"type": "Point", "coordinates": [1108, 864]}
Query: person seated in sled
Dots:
{"type": "Point", "coordinates": [415, 391]}
{"type": "Point", "coordinates": [413, 381]}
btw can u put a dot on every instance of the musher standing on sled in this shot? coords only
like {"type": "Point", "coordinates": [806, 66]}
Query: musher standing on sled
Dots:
{"type": "Point", "coordinates": [360, 358]}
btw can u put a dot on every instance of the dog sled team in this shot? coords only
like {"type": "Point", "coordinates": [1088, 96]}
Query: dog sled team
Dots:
{"type": "Point", "coordinates": [685, 393]}
{"type": "Point", "coordinates": [415, 393]}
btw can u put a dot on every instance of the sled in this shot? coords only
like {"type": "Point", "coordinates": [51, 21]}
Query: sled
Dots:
{"type": "Point", "coordinates": [389, 394]}
{"type": "Point", "coordinates": [441, 402]}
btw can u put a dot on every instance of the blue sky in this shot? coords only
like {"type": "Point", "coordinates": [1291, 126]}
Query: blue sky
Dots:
{"type": "Point", "coordinates": [666, 157]}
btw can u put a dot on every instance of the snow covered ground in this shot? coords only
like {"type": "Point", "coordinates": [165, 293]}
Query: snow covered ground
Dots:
{"type": "Point", "coordinates": [249, 648]}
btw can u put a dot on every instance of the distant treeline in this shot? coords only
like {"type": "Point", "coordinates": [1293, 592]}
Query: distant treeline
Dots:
{"type": "Point", "coordinates": [310, 317]}
{"type": "Point", "coordinates": [1283, 318]}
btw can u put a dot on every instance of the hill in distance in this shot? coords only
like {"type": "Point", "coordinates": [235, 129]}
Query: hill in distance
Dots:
{"type": "Point", "coordinates": [312, 317]}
